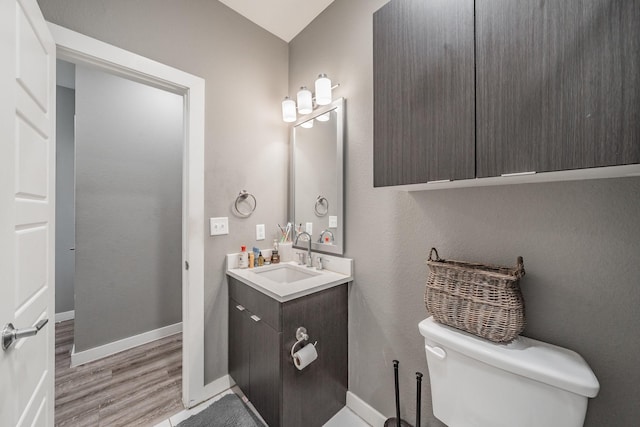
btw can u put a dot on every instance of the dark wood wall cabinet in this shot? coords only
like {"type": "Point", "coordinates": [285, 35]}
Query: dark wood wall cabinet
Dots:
{"type": "Point", "coordinates": [487, 88]}
{"type": "Point", "coordinates": [423, 92]}
{"type": "Point", "coordinates": [261, 334]}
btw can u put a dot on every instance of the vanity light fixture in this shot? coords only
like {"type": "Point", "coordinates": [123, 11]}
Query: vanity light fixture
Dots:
{"type": "Point", "coordinates": [323, 90]}
{"type": "Point", "coordinates": [305, 100]}
{"type": "Point", "coordinates": [308, 124]}
{"type": "Point", "coordinates": [324, 117]}
{"type": "Point", "coordinates": [289, 110]}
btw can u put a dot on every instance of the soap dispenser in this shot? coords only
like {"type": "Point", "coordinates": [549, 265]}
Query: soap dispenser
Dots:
{"type": "Point", "coordinates": [275, 256]}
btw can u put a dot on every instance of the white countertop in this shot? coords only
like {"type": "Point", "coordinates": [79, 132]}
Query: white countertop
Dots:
{"type": "Point", "coordinates": [337, 271]}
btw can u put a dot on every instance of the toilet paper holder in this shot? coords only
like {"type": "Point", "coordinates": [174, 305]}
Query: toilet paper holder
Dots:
{"type": "Point", "coordinates": [301, 336]}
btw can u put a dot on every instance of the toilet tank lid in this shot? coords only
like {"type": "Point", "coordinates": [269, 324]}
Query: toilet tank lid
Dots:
{"type": "Point", "coordinates": [547, 363]}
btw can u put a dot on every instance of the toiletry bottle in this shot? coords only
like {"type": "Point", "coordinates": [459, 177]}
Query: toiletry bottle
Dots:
{"type": "Point", "coordinates": [275, 256]}
{"type": "Point", "coordinates": [251, 259]}
{"type": "Point", "coordinates": [256, 253]}
{"type": "Point", "coordinates": [260, 260]}
{"type": "Point", "coordinates": [244, 258]}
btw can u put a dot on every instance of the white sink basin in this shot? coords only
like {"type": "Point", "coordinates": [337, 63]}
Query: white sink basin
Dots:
{"type": "Point", "coordinates": [285, 273]}
{"type": "Point", "coordinates": [288, 280]}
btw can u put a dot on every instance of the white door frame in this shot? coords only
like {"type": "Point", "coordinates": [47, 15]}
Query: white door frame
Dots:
{"type": "Point", "coordinates": [80, 49]}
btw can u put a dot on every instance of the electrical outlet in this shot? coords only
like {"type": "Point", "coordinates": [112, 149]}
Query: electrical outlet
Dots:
{"type": "Point", "coordinates": [333, 221]}
{"type": "Point", "coordinates": [219, 226]}
{"type": "Point", "coordinates": [260, 232]}
{"type": "Point", "coordinates": [309, 228]}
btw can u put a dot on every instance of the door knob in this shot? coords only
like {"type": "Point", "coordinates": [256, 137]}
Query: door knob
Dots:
{"type": "Point", "coordinates": [11, 334]}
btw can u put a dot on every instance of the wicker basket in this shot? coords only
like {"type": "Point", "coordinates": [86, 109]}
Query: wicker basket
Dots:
{"type": "Point", "coordinates": [484, 300]}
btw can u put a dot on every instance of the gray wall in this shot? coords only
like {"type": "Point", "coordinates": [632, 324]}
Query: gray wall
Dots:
{"type": "Point", "coordinates": [65, 193]}
{"type": "Point", "coordinates": [246, 74]}
{"type": "Point", "coordinates": [580, 242]}
{"type": "Point", "coordinates": [129, 141]}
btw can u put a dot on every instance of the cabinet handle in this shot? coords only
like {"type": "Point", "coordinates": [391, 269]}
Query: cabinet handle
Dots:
{"type": "Point", "coordinates": [240, 308]}
{"type": "Point", "coordinates": [255, 318]}
{"type": "Point", "coordinates": [506, 175]}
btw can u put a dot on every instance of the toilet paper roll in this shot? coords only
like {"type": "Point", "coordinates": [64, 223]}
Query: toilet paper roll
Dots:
{"type": "Point", "coordinates": [305, 356]}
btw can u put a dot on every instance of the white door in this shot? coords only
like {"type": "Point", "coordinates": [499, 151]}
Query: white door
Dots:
{"type": "Point", "coordinates": [27, 168]}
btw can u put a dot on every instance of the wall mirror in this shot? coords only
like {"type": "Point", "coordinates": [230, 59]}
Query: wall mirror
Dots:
{"type": "Point", "coordinates": [316, 179]}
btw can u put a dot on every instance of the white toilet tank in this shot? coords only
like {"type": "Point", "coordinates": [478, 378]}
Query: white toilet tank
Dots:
{"type": "Point", "coordinates": [527, 383]}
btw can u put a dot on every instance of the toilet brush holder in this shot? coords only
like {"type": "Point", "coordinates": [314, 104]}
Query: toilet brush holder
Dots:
{"type": "Point", "coordinates": [397, 421]}
{"type": "Point", "coordinates": [393, 422]}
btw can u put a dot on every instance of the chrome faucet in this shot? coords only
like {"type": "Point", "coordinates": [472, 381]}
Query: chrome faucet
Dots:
{"type": "Point", "coordinates": [309, 259]}
{"type": "Point", "coordinates": [321, 238]}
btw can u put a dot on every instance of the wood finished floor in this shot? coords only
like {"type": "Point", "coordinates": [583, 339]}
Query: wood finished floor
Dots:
{"type": "Point", "coordinates": [138, 387]}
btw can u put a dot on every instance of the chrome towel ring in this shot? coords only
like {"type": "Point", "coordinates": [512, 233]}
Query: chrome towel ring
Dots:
{"type": "Point", "coordinates": [242, 197]}
{"type": "Point", "coordinates": [321, 208]}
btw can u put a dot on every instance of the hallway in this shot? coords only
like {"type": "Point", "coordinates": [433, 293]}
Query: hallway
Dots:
{"type": "Point", "coordinates": [137, 387]}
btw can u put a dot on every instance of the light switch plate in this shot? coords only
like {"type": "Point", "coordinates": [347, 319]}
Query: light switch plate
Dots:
{"type": "Point", "coordinates": [333, 221]}
{"type": "Point", "coordinates": [219, 226]}
{"type": "Point", "coordinates": [260, 232]}
{"type": "Point", "coordinates": [309, 228]}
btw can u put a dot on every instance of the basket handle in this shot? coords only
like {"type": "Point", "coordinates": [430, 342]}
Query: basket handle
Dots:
{"type": "Point", "coordinates": [520, 267]}
{"type": "Point", "coordinates": [431, 258]}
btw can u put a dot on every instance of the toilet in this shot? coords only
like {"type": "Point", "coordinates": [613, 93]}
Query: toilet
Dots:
{"type": "Point", "coordinates": [526, 383]}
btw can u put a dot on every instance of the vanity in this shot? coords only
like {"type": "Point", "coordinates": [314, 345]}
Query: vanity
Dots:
{"type": "Point", "coordinates": [269, 305]}
{"type": "Point", "coordinates": [266, 307]}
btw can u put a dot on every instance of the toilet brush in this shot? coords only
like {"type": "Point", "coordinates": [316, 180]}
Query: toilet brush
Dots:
{"type": "Point", "coordinates": [397, 421]}
{"type": "Point", "coordinates": [418, 397]}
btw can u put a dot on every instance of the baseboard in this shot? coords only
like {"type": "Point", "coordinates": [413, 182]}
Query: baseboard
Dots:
{"type": "Point", "coordinates": [96, 353]}
{"type": "Point", "coordinates": [215, 387]}
{"type": "Point", "coordinates": [365, 411]}
{"type": "Point", "coordinates": [67, 315]}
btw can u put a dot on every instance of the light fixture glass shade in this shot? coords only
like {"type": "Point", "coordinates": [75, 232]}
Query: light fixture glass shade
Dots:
{"type": "Point", "coordinates": [305, 104]}
{"type": "Point", "coordinates": [308, 124]}
{"type": "Point", "coordinates": [323, 90]}
{"type": "Point", "coordinates": [324, 117]}
{"type": "Point", "coordinates": [289, 110]}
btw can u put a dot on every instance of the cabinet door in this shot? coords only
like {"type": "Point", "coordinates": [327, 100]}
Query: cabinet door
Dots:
{"type": "Point", "coordinates": [557, 84]}
{"type": "Point", "coordinates": [239, 346]}
{"type": "Point", "coordinates": [256, 302]}
{"type": "Point", "coordinates": [423, 81]}
{"type": "Point", "coordinates": [265, 371]}
{"type": "Point", "coordinates": [316, 393]}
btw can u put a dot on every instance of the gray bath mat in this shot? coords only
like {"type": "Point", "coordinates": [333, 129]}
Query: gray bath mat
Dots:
{"type": "Point", "coordinates": [229, 411]}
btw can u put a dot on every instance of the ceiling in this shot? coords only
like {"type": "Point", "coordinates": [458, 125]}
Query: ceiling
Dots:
{"type": "Point", "coordinates": [284, 18]}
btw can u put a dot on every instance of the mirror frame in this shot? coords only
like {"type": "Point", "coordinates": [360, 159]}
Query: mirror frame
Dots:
{"type": "Point", "coordinates": [339, 106]}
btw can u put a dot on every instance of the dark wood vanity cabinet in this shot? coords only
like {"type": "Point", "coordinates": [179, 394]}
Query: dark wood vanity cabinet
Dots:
{"type": "Point", "coordinates": [255, 340]}
{"type": "Point", "coordinates": [556, 87]}
{"type": "Point", "coordinates": [240, 350]}
{"type": "Point", "coordinates": [261, 333]}
{"type": "Point", "coordinates": [423, 79]}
